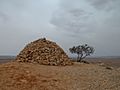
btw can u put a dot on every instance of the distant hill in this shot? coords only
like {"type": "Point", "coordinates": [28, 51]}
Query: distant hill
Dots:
{"type": "Point", "coordinates": [98, 57]}
{"type": "Point", "coordinates": [7, 57]}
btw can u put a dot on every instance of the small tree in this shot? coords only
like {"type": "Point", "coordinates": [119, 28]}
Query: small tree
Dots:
{"type": "Point", "coordinates": [82, 51]}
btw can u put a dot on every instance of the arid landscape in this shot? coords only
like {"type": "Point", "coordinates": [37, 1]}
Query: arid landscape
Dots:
{"type": "Point", "coordinates": [100, 74]}
{"type": "Point", "coordinates": [43, 65]}
{"type": "Point", "coordinates": [59, 44]}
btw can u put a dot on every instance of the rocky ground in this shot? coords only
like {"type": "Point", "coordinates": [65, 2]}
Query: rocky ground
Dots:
{"type": "Point", "coordinates": [28, 76]}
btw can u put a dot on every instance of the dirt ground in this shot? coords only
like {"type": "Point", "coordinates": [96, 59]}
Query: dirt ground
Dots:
{"type": "Point", "coordinates": [114, 62]}
{"type": "Point", "coordinates": [27, 76]}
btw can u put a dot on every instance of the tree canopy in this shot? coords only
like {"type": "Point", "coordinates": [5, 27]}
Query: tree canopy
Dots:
{"type": "Point", "coordinates": [82, 51]}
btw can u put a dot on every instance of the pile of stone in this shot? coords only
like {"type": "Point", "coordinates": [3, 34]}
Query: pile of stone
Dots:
{"type": "Point", "coordinates": [44, 52]}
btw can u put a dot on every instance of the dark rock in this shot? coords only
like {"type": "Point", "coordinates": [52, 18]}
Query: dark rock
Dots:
{"type": "Point", "coordinates": [110, 68]}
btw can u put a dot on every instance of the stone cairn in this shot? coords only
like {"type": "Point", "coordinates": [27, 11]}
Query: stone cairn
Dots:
{"type": "Point", "coordinates": [44, 52]}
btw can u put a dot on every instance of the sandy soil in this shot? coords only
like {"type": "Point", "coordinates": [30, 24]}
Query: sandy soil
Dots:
{"type": "Point", "coordinates": [26, 76]}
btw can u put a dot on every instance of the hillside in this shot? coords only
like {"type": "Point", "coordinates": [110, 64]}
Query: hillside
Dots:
{"type": "Point", "coordinates": [28, 76]}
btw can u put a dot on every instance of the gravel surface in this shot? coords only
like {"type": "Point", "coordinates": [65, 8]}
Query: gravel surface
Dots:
{"type": "Point", "coordinates": [28, 76]}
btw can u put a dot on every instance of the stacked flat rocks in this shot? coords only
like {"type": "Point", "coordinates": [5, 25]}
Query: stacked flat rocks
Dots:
{"type": "Point", "coordinates": [44, 52]}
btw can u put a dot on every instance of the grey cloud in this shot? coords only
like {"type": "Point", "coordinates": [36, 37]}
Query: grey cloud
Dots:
{"type": "Point", "coordinates": [97, 24]}
{"type": "Point", "coordinates": [3, 17]}
{"type": "Point", "coordinates": [22, 21]}
{"type": "Point", "coordinates": [67, 22]}
{"type": "Point", "coordinates": [107, 5]}
{"type": "Point", "coordinates": [72, 17]}
{"type": "Point", "coordinates": [74, 20]}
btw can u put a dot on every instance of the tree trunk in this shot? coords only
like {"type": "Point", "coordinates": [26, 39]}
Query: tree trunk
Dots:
{"type": "Point", "coordinates": [78, 57]}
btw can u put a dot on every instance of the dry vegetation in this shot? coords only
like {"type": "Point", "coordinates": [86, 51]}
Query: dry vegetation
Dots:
{"type": "Point", "coordinates": [28, 76]}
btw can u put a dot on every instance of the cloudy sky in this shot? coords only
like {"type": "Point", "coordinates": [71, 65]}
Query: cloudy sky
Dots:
{"type": "Point", "coordinates": [67, 22]}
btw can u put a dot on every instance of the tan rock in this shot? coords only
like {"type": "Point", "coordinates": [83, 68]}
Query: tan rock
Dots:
{"type": "Point", "coordinates": [44, 52]}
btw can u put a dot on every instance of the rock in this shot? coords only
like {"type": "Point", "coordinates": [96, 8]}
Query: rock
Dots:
{"type": "Point", "coordinates": [110, 68]}
{"type": "Point", "coordinates": [23, 81]}
{"type": "Point", "coordinates": [85, 62]}
{"type": "Point", "coordinates": [44, 52]}
{"type": "Point", "coordinates": [101, 64]}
